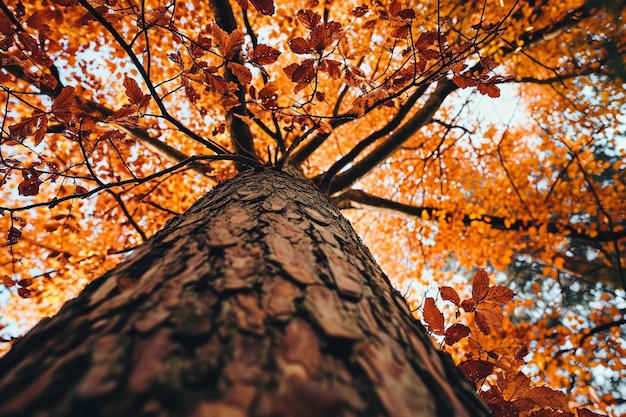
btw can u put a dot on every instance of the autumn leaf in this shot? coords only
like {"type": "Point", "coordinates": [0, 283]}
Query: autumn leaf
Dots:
{"type": "Point", "coordinates": [455, 333]}
{"type": "Point", "coordinates": [433, 317]}
{"type": "Point", "coordinates": [265, 7]}
{"type": "Point", "coordinates": [475, 370]}
{"type": "Point", "coordinates": [62, 105]}
{"type": "Point", "coordinates": [264, 54]}
{"type": "Point", "coordinates": [309, 18]}
{"type": "Point", "coordinates": [133, 92]}
{"type": "Point", "coordinates": [480, 285]}
{"type": "Point", "coordinates": [499, 294]}
{"type": "Point", "coordinates": [13, 235]}
{"type": "Point", "coordinates": [449, 294]}
{"type": "Point", "coordinates": [517, 389]}
{"type": "Point", "coordinates": [301, 46]}
{"type": "Point", "coordinates": [31, 126]}
{"type": "Point", "coordinates": [24, 292]}
{"type": "Point", "coordinates": [243, 74]}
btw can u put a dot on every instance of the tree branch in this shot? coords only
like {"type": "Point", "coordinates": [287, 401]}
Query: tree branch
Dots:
{"type": "Point", "coordinates": [396, 139]}
{"type": "Point", "coordinates": [154, 144]}
{"type": "Point", "coordinates": [345, 200]}
{"type": "Point", "coordinates": [240, 133]}
{"type": "Point", "coordinates": [218, 149]}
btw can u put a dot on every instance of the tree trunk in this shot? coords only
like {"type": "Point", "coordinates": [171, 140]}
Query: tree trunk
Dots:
{"type": "Point", "coordinates": [260, 300]}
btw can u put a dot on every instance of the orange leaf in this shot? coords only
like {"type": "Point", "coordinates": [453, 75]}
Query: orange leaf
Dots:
{"type": "Point", "coordinates": [243, 74]}
{"type": "Point", "coordinates": [432, 316]}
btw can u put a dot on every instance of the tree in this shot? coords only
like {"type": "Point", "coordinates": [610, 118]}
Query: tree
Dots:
{"type": "Point", "coordinates": [121, 114]}
{"type": "Point", "coordinates": [259, 300]}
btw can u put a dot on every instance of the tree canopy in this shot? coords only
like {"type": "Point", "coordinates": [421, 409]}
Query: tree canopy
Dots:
{"type": "Point", "coordinates": [454, 134]}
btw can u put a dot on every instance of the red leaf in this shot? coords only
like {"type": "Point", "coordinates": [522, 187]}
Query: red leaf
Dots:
{"type": "Point", "coordinates": [491, 90]}
{"type": "Point", "coordinates": [332, 67]}
{"type": "Point", "coordinates": [7, 281]}
{"type": "Point", "coordinates": [13, 235]}
{"type": "Point", "coordinates": [482, 322]}
{"type": "Point", "coordinates": [133, 92]}
{"type": "Point", "coordinates": [23, 292]}
{"type": "Point", "coordinates": [474, 370]}
{"type": "Point", "coordinates": [408, 14]}
{"type": "Point", "coordinates": [36, 125]}
{"type": "Point", "coordinates": [468, 305]}
{"type": "Point", "coordinates": [29, 186]}
{"type": "Point", "coordinates": [62, 106]}
{"type": "Point", "coordinates": [265, 7]}
{"type": "Point", "coordinates": [499, 294]}
{"type": "Point", "coordinates": [309, 18]}
{"type": "Point", "coordinates": [301, 73]}
{"type": "Point", "coordinates": [301, 46]}
{"type": "Point", "coordinates": [264, 54]}
{"type": "Point", "coordinates": [26, 282]}
{"type": "Point", "coordinates": [432, 316]}
{"type": "Point", "coordinates": [455, 333]}
{"type": "Point", "coordinates": [426, 39]}
{"type": "Point", "coordinates": [359, 10]}
{"type": "Point", "coordinates": [449, 294]}
{"type": "Point", "coordinates": [480, 285]}
{"type": "Point", "coordinates": [268, 95]}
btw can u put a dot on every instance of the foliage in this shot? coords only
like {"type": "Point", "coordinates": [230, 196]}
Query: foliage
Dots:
{"type": "Point", "coordinates": [117, 115]}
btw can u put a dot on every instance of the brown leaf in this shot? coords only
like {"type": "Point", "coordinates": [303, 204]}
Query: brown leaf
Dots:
{"type": "Point", "coordinates": [475, 370]}
{"type": "Point", "coordinates": [433, 317]}
{"type": "Point", "coordinates": [301, 46]}
{"type": "Point", "coordinates": [133, 92]}
{"type": "Point", "coordinates": [264, 54]}
{"type": "Point", "coordinates": [23, 292]}
{"type": "Point", "coordinates": [7, 281]}
{"type": "Point", "coordinates": [265, 7]}
{"type": "Point", "coordinates": [449, 294]}
{"type": "Point", "coordinates": [468, 305]}
{"type": "Point", "coordinates": [62, 106]}
{"type": "Point", "coordinates": [455, 333]}
{"type": "Point", "coordinates": [499, 294]}
{"type": "Point", "coordinates": [332, 67]}
{"type": "Point", "coordinates": [13, 235]}
{"type": "Point", "coordinates": [29, 186]}
{"type": "Point", "coordinates": [309, 18]}
{"type": "Point", "coordinates": [482, 322]}
{"type": "Point", "coordinates": [480, 285]}
{"type": "Point", "coordinates": [243, 74]}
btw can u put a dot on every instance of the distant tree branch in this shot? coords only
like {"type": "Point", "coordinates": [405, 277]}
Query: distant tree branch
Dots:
{"type": "Point", "coordinates": [345, 200]}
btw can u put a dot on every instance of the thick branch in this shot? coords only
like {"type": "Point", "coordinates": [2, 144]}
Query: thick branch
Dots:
{"type": "Point", "coordinates": [396, 139]}
{"type": "Point", "coordinates": [329, 175]}
{"type": "Point", "coordinates": [345, 200]}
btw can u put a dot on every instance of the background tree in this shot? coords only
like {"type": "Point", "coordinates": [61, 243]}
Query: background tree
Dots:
{"type": "Point", "coordinates": [119, 115]}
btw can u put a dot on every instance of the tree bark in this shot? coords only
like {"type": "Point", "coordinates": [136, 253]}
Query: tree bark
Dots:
{"type": "Point", "coordinates": [260, 300]}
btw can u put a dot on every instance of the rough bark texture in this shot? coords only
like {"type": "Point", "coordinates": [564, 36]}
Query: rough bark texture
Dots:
{"type": "Point", "coordinates": [259, 301]}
